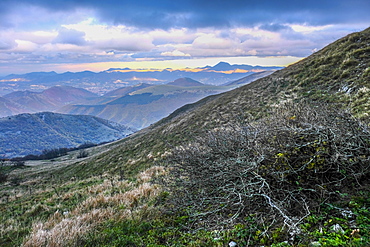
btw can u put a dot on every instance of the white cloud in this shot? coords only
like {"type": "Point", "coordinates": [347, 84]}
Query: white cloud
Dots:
{"type": "Point", "coordinates": [62, 48]}
{"type": "Point", "coordinates": [172, 36]}
{"type": "Point", "coordinates": [120, 38]}
{"type": "Point", "coordinates": [70, 36]}
{"type": "Point", "coordinates": [38, 37]}
{"type": "Point", "coordinates": [24, 46]}
{"type": "Point", "coordinates": [211, 41]}
{"type": "Point", "coordinates": [6, 44]}
{"type": "Point", "coordinates": [255, 33]}
{"type": "Point", "coordinates": [308, 29]}
{"type": "Point", "coordinates": [131, 43]}
{"type": "Point", "coordinates": [175, 53]}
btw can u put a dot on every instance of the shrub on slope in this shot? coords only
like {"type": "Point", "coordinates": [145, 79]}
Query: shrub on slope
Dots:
{"type": "Point", "coordinates": [279, 169]}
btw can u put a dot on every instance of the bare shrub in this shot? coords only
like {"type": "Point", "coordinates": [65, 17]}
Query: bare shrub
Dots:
{"type": "Point", "coordinates": [3, 177]}
{"type": "Point", "coordinates": [278, 168]}
{"type": "Point", "coordinates": [82, 154]}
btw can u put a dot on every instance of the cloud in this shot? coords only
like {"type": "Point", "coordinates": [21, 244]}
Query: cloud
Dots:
{"type": "Point", "coordinates": [31, 15]}
{"type": "Point", "coordinates": [38, 37]}
{"type": "Point", "coordinates": [70, 31]}
{"type": "Point", "coordinates": [211, 41]}
{"type": "Point", "coordinates": [6, 44]}
{"type": "Point", "coordinates": [166, 14]}
{"type": "Point", "coordinates": [70, 36]}
{"type": "Point", "coordinates": [274, 27]}
{"type": "Point", "coordinates": [108, 37]}
{"type": "Point", "coordinates": [24, 46]}
{"type": "Point", "coordinates": [175, 53]}
{"type": "Point", "coordinates": [129, 44]}
{"type": "Point", "coordinates": [172, 36]}
{"type": "Point", "coordinates": [204, 13]}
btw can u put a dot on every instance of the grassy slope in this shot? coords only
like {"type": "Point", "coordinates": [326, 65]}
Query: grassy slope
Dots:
{"type": "Point", "coordinates": [338, 73]}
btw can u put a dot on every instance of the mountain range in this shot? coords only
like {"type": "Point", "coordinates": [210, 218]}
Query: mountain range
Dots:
{"type": "Point", "coordinates": [108, 80]}
{"type": "Point", "coordinates": [301, 185]}
{"type": "Point", "coordinates": [141, 105]}
{"type": "Point", "coordinates": [135, 106]}
{"type": "Point", "coordinates": [46, 100]}
{"type": "Point", "coordinates": [249, 79]}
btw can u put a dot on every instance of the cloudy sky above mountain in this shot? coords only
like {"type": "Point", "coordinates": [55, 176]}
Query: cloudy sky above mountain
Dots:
{"type": "Point", "coordinates": [72, 35]}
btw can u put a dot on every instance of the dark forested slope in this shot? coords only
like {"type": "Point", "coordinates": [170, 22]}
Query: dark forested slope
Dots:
{"type": "Point", "coordinates": [33, 133]}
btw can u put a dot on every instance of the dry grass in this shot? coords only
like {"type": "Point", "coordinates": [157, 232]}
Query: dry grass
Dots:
{"type": "Point", "coordinates": [111, 199]}
{"type": "Point", "coordinates": [148, 174]}
{"type": "Point", "coordinates": [67, 232]}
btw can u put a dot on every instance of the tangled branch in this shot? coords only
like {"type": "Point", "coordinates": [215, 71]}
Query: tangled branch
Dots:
{"type": "Point", "coordinates": [280, 167]}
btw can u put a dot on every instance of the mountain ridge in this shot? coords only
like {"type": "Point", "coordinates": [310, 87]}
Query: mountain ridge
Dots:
{"type": "Point", "coordinates": [249, 78]}
{"type": "Point", "coordinates": [108, 80]}
{"type": "Point", "coordinates": [47, 100]}
{"type": "Point", "coordinates": [185, 82]}
{"type": "Point", "coordinates": [140, 106]}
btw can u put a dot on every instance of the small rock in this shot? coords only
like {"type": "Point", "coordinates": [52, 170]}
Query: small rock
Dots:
{"type": "Point", "coordinates": [315, 244]}
{"type": "Point", "coordinates": [232, 244]}
{"type": "Point", "coordinates": [337, 228]}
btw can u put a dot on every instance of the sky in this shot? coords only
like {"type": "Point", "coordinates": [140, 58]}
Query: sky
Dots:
{"type": "Point", "coordinates": [78, 35]}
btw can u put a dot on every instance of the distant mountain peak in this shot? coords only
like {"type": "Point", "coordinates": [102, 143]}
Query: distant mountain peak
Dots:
{"type": "Point", "coordinates": [222, 66]}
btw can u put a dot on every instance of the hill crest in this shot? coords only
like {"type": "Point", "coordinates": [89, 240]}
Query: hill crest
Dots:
{"type": "Point", "coordinates": [185, 82]}
{"type": "Point", "coordinates": [47, 100]}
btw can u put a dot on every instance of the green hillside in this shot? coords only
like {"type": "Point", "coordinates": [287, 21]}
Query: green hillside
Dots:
{"type": "Point", "coordinates": [282, 161]}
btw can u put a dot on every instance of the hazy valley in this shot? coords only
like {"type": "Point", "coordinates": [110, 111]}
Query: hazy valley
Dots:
{"type": "Point", "coordinates": [134, 107]}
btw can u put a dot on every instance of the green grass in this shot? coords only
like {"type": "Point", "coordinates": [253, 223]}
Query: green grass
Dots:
{"type": "Point", "coordinates": [316, 228]}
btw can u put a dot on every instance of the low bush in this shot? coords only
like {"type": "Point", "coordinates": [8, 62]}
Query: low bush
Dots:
{"type": "Point", "coordinates": [279, 169]}
{"type": "Point", "coordinates": [3, 177]}
{"type": "Point", "coordinates": [82, 154]}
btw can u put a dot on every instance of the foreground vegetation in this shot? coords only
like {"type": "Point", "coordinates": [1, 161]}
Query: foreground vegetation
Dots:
{"type": "Point", "coordinates": [299, 177]}
{"type": "Point", "coordinates": [282, 176]}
